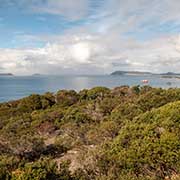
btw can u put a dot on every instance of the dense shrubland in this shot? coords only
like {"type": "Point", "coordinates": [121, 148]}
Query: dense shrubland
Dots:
{"type": "Point", "coordinates": [125, 133]}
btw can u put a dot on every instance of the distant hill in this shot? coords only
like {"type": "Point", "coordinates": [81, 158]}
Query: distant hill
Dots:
{"type": "Point", "coordinates": [131, 73]}
{"type": "Point", "coordinates": [170, 74]}
{"type": "Point", "coordinates": [143, 73]}
{"type": "Point", "coordinates": [6, 74]}
{"type": "Point", "coordinates": [36, 74]}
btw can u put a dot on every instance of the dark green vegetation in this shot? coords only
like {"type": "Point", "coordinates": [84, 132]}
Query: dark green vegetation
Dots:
{"type": "Point", "coordinates": [127, 133]}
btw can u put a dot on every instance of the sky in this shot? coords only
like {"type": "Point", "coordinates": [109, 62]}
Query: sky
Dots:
{"type": "Point", "coordinates": [89, 36]}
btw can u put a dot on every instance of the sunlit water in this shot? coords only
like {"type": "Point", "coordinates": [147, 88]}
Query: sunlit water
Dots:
{"type": "Point", "coordinates": [16, 87]}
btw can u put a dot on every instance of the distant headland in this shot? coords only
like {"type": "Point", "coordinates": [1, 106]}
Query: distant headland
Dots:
{"type": "Point", "coordinates": [6, 74]}
{"type": "Point", "coordinates": [170, 74]}
{"type": "Point", "coordinates": [119, 73]}
{"type": "Point", "coordinates": [36, 74]}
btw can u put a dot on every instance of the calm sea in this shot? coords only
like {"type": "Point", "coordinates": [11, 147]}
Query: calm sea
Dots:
{"type": "Point", "coordinates": [16, 87]}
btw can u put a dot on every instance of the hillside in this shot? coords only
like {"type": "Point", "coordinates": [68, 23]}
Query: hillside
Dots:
{"type": "Point", "coordinates": [125, 133]}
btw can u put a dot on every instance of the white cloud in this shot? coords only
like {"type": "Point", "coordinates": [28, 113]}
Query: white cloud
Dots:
{"type": "Point", "coordinates": [102, 44]}
{"type": "Point", "coordinates": [68, 8]}
{"type": "Point", "coordinates": [161, 54]}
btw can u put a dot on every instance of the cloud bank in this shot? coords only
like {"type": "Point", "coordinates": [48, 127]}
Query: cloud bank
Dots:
{"type": "Point", "coordinates": [115, 35]}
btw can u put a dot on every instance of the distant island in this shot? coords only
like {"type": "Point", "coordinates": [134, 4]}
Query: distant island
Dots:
{"type": "Point", "coordinates": [168, 74]}
{"type": "Point", "coordinates": [36, 74]}
{"type": "Point", "coordinates": [6, 74]}
{"type": "Point", "coordinates": [130, 73]}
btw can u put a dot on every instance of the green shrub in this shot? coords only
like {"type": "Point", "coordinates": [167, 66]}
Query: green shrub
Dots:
{"type": "Point", "coordinates": [97, 92]}
{"type": "Point", "coordinates": [30, 103]}
{"type": "Point", "coordinates": [148, 145]}
{"type": "Point", "coordinates": [76, 115]}
{"type": "Point", "coordinates": [66, 98]}
{"type": "Point", "coordinates": [41, 170]}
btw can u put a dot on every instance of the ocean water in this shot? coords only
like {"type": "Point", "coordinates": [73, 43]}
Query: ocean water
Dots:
{"type": "Point", "coordinates": [16, 87]}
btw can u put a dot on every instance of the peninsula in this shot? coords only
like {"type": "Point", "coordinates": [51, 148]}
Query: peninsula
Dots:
{"type": "Point", "coordinates": [130, 73]}
{"type": "Point", "coordinates": [120, 73]}
{"type": "Point", "coordinates": [6, 74]}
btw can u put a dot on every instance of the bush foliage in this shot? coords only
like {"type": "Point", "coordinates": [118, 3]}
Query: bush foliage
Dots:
{"type": "Point", "coordinates": [125, 133]}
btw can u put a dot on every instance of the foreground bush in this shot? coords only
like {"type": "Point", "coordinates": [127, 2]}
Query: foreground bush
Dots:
{"type": "Point", "coordinates": [147, 146]}
{"type": "Point", "coordinates": [125, 133]}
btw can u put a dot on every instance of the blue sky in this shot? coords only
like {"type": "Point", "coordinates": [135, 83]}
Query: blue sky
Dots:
{"type": "Point", "coordinates": [78, 36]}
{"type": "Point", "coordinates": [19, 18]}
{"type": "Point", "coordinates": [18, 21]}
